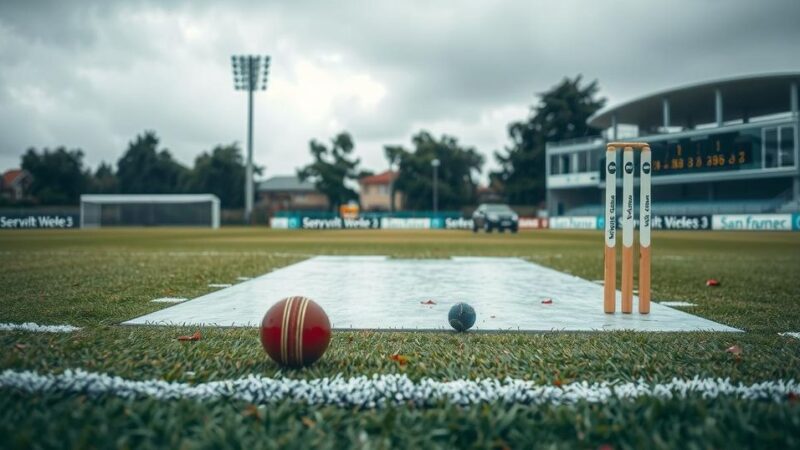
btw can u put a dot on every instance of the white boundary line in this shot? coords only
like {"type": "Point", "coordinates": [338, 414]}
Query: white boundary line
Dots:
{"type": "Point", "coordinates": [169, 300]}
{"type": "Point", "coordinates": [381, 390]}
{"type": "Point", "coordinates": [677, 303]}
{"type": "Point", "coordinates": [36, 328]}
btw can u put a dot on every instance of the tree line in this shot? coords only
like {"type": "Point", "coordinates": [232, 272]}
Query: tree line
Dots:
{"type": "Point", "coordinates": [59, 175]}
{"type": "Point", "coordinates": [560, 113]}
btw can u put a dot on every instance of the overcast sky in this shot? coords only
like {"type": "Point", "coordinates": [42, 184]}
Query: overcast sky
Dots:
{"type": "Point", "coordinates": [94, 73]}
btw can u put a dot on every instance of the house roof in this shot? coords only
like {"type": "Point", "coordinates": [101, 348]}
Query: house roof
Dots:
{"type": "Point", "coordinates": [381, 178]}
{"type": "Point", "coordinates": [10, 176]}
{"type": "Point", "coordinates": [286, 183]}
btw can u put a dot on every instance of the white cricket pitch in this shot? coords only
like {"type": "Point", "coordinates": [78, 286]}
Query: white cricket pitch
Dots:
{"type": "Point", "coordinates": [376, 292]}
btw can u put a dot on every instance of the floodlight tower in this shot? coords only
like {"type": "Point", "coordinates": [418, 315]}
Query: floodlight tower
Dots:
{"type": "Point", "coordinates": [249, 74]}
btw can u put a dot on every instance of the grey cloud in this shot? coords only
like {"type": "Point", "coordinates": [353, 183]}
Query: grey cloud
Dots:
{"type": "Point", "coordinates": [440, 63]}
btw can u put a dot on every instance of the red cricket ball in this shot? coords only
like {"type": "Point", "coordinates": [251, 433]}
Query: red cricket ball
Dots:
{"type": "Point", "coordinates": [295, 332]}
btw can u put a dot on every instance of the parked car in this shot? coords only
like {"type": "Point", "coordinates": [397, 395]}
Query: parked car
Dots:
{"type": "Point", "coordinates": [493, 216]}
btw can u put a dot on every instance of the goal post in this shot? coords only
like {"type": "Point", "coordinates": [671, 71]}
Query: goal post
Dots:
{"type": "Point", "coordinates": [100, 210]}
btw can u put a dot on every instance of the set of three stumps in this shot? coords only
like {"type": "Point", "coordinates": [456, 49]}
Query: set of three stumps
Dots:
{"type": "Point", "coordinates": [627, 219]}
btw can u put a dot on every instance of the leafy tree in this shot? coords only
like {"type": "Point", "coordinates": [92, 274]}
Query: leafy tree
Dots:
{"type": "Point", "coordinates": [456, 183]}
{"type": "Point", "coordinates": [58, 175]}
{"type": "Point", "coordinates": [220, 172]}
{"type": "Point", "coordinates": [144, 169]}
{"type": "Point", "coordinates": [561, 113]}
{"type": "Point", "coordinates": [104, 180]}
{"type": "Point", "coordinates": [332, 167]}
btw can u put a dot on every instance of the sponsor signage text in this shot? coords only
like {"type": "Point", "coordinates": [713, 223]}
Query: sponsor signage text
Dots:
{"type": "Point", "coordinates": [28, 221]}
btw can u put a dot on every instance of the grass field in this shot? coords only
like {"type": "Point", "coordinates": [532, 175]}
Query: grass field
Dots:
{"type": "Point", "coordinates": [96, 279]}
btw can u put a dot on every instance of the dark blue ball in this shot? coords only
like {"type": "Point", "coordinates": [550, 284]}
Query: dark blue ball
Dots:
{"type": "Point", "coordinates": [461, 317]}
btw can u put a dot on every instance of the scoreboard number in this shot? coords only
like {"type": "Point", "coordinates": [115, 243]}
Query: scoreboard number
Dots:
{"type": "Point", "coordinates": [728, 151]}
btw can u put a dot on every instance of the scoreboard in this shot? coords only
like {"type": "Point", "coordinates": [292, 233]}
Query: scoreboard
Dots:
{"type": "Point", "coordinates": [744, 149]}
{"type": "Point", "coordinates": [769, 146]}
{"type": "Point", "coordinates": [710, 153]}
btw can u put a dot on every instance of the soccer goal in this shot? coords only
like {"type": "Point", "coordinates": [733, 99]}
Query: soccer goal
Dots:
{"type": "Point", "coordinates": [149, 210]}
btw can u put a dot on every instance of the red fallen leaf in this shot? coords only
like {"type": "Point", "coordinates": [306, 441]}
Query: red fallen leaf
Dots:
{"type": "Point", "coordinates": [557, 382]}
{"type": "Point", "coordinates": [734, 349]}
{"type": "Point", "coordinates": [792, 397]}
{"type": "Point", "coordinates": [605, 447]}
{"type": "Point", "coordinates": [399, 359]}
{"type": "Point", "coordinates": [428, 302]}
{"type": "Point", "coordinates": [251, 411]}
{"type": "Point", "coordinates": [547, 301]}
{"type": "Point", "coordinates": [712, 282]}
{"type": "Point", "coordinates": [195, 337]}
{"type": "Point", "coordinates": [308, 422]}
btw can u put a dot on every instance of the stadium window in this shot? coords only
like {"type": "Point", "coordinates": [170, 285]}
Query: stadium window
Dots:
{"type": "Point", "coordinates": [594, 160]}
{"type": "Point", "coordinates": [565, 166]}
{"type": "Point", "coordinates": [786, 154]}
{"type": "Point", "coordinates": [770, 143]}
{"type": "Point", "coordinates": [554, 165]}
{"type": "Point", "coordinates": [582, 162]}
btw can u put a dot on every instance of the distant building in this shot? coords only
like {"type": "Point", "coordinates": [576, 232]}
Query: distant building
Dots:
{"type": "Point", "coordinates": [720, 146]}
{"type": "Point", "coordinates": [487, 194]}
{"type": "Point", "coordinates": [375, 192]}
{"type": "Point", "coordinates": [16, 184]}
{"type": "Point", "coordinates": [288, 192]}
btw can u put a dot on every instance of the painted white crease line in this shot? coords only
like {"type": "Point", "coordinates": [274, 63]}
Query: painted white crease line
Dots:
{"type": "Point", "coordinates": [380, 390]}
{"type": "Point", "coordinates": [244, 278]}
{"type": "Point", "coordinates": [794, 334]}
{"type": "Point", "coordinates": [169, 300]}
{"type": "Point", "coordinates": [677, 303]}
{"type": "Point", "coordinates": [219, 285]}
{"type": "Point", "coordinates": [36, 328]}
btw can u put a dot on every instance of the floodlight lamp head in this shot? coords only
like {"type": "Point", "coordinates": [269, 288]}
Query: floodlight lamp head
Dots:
{"type": "Point", "coordinates": [247, 72]}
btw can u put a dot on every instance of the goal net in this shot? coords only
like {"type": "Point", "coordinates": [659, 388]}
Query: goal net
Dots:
{"type": "Point", "coordinates": [149, 210]}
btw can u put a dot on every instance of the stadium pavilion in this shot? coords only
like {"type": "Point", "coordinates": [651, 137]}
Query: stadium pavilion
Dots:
{"type": "Point", "coordinates": [721, 146]}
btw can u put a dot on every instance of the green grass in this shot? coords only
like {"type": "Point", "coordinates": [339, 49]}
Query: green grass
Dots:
{"type": "Point", "coordinates": [96, 279]}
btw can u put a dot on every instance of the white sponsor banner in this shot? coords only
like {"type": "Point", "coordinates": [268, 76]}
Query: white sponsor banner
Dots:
{"type": "Point", "coordinates": [310, 223]}
{"type": "Point", "coordinates": [458, 223]}
{"type": "Point", "coordinates": [39, 221]}
{"type": "Point", "coordinates": [684, 222]}
{"type": "Point", "coordinates": [405, 223]}
{"type": "Point", "coordinates": [760, 222]}
{"type": "Point", "coordinates": [532, 222]}
{"type": "Point", "coordinates": [574, 223]}
{"type": "Point", "coordinates": [279, 222]}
